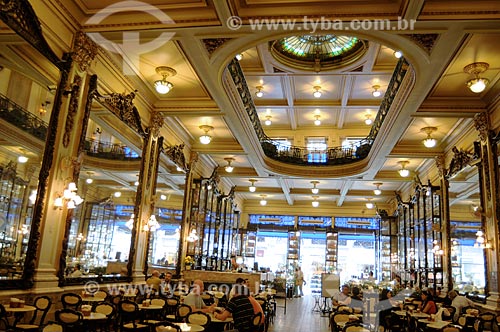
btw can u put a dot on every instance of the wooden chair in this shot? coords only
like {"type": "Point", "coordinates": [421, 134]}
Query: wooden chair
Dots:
{"type": "Point", "coordinates": [198, 318]}
{"type": "Point", "coordinates": [171, 305]}
{"type": "Point", "coordinates": [478, 325]}
{"type": "Point", "coordinates": [129, 317]}
{"type": "Point", "coordinates": [70, 319]}
{"type": "Point", "coordinates": [53, 327]}
{"type": "Point", "coordinates": [338, 320]}
{"type": "Point", "coordinates": [258, 322]}
{"type": "Point", "coordinates": [102, 294]}
{"type": "Point", "coordinates": [451, 328]}
{"type": "Point", "coordinates": [42, 305]}
{"type": "Point", "coordinates": [166, 326]}
{"type": "Point", "coordinates": [355, 327]}
{"type": "Point", "coordinates": [182, 311]}
{"type": "Point", "coordinates": [488, 319]}
{"type": "Point", "coordinates": [208, 298]}
{"type": "Point", "coordinates": [4, 323]}
{"type": "Point", "coordinates": [108, 309]}
{"type": "Point", "coordinates": [71, 301]}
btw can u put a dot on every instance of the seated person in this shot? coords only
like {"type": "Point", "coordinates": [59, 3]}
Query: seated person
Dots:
{"type": "Point", "coordinates": [239, 281]}
{"type": "Point", "coordinates": [154, 281]}
{"type": "Point", "coordinates": [342, 298]}
{"type": "Point", "coordinates": [242, 307]}
{"type": "Point", "coordinates": [356, 298]}
{"type": "Point", "coordinates": [76, 272]}
{"type": "Point", "coordinates": [194, 300]}
{"type": "Point", "coordinates": [428, 305]}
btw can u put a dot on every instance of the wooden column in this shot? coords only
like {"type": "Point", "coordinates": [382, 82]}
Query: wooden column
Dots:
{"type": "Point", "coordinates": [489, 192]}
{"type": "Point", "coordinates": [145, 198]}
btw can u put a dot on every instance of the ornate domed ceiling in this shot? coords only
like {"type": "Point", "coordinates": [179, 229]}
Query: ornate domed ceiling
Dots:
{"type": "Point", "coordinates": [318, 52]}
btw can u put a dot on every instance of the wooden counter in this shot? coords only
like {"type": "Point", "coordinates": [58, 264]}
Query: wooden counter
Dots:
{"type": "Point", "coordinates": [223, 278]}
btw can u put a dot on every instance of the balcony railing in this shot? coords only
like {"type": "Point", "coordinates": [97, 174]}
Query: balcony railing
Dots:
{"type": "Point", "coordinates": [21, 118]}
{"type": "Point", "coordinates": [113, 151]}
{"type": "Point", "coordinates": [305, 156]}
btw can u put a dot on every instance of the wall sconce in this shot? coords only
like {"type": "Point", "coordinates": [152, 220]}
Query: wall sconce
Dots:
{"type": "Point", "coordinates": [206, 138]}
{"type": "Point", "coordinates": [229, 168]}
{"type": "Point", "coordinates": [80, 237]}
{"type": "Point", "coordinates": [369, 204]}
{"type": "Point", "coordinates": [477, 84]}
{"type": "Point", "coordinates": [314, 190]}
{"type": "Point", "coordinates": [397, 54]}
{"type": "Point", "coordinates": [403, 172]}
{"type": "Point", "coordinates": [377, 190]}
{"type": "Point", "coordinates": [69, 198]}
{"type": "Point", "coordinates": [252, 187]}
{"type": "Point", "coordinates": [317, 121]}
{"type": "Point", "coordinates": [263, 201]}
{"type": "Point", "coordinates": [23, 230]}
{"type": "Point", "coordinates": [376, 92]}
{"type": "Point", "coordinates": [89, 179]}
{"type": "Point", "coordinates": [268, 121]}
{"type": "Point", "coordinates": [436, 249]}
{"type": "Point", "coordinates": [317, 91]}
{"type": "Point", "coordinates": [22, 159]}
{"type": "Point", "coordinates": [315, 202]}
{"type": "Point", "coordinates": [368, 119]}
{"type": "Point", "coordinates": [429, 142]}
{"type": "Point", "coordinates": [259, 92]}
{"type": "Point", "coordinates": [151, 225]}
{"type": "Point", "coordinates": [481, 241]}
{"type": "Point", "coordinates": [163, 86]}
{"type": "Point", "coordinates": [192, 237]}
{"type": "Point", "coordinates": [239, 56]}
{"type": "Point", "coordinates": [43, 108]}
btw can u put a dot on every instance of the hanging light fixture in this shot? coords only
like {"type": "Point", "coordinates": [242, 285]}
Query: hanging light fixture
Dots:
{"type": "Point", "coordinates": [377, 190]}
{"type": "Point", "coordinates": [259, 93]}
{"type": "Point", "coordinates": [163, 197]}
{"type": "Point", "coordinates": [229, 168]}
{"type": "Point", "coordinates": [317, 91]}
{"type": "Point", "coordinates": [315, 202]}
{"type": "Point", "coordinates": [314, 190]}
{"type": "Point", "coordinates": [117, 194]}
{"type": "Point", "coordinates": [317, 121]}
{"type": "Point", "coordinates": [22, 159]}
{"type": "Point", "coordinates": [206, 138]}
{"type": "Point", "coordinates": [403, 172]}
{"type": "Point", "coordinates": [268, 121]}
{"type": "Point", "coordinates": [252, 187]}
{"type": "Point", "coordinates": [477, 84]}
{"type": "Point", "coordinates": [369, 204]}
{"type": "Point", "coordinates": [376, 92]}
{"type": "Point", "coordinates": [398, 54]}
{"type": "Point", "coordinates": [368, 119]}
{"type": "Point", "coordinates": [263, 201]}
{"type": "Point", "coordinates": [481, 241]}
{"type": "Point", "coordinates": [151, 225]}
{"type": "Point", "coordinates": [163, 86]}
{"type": "Point", "coordinates": [429, 141]}
{"type": "Point", "coordinates": [89, 179]}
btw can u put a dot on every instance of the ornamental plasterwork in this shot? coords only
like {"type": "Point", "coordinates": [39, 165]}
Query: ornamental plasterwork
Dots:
{"type": "Point", "coordinates": [123, 107]}
{"type": "Point", "coordinates": [425, 41]}
{"type": "Point", "coordinates": [482, 125]}
{"type": "Point", "coordinates": [440, 164]}
{"type": "Point", "coordinates": [72, 110]}
{"type": "Point", "coordinates": [156, 123]}
{"type": "Point", "coordinates": [212, 44]}
{"type": "Point", "coordinates": [84, 50]}
{"type": "Point", "coordinates": [460, 160]}
{"type": "Point", "coordinates": [176, 154]}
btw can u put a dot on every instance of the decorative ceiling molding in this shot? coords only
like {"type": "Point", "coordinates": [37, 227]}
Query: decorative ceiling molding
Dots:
{"type": "Point", "coordinates": [212, 44]}
{"type": "Point", "coordinates": [425, 41]}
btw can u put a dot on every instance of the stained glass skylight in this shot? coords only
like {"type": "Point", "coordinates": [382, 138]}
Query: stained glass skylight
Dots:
{"type": "Point", "coordinates": [318, 52]}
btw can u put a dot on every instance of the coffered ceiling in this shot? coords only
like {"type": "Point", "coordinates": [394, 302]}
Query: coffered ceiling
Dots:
{"type": "Point", "coordinates": [200, 46]}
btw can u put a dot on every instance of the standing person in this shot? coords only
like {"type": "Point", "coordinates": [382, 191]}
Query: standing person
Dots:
{"type": "Point", "coordinates": [459, 302]}
{"type": "Point", "coordinates": [76, 271]}
{"type": "Point", "coordinates": [154, 281]}
{"type": "Point", "coordinates": [194, 300]}
{"type": "Point", "coordinates": [242, 309]}
{"type": "Point", "coordinates": [299, 281]}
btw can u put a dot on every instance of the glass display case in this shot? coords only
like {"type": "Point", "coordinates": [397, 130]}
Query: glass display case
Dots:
{"type": "Point", "coordinates": [387, 253]}
{"type": "Point", "coordinates": [331, 257]}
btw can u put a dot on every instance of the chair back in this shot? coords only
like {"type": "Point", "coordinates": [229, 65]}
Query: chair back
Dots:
{"type": "Point", "coordinates": [159, 301]}
{"type": "Point", "coordinates": [198, 318]}
{"type": "Point", "coordinates": [478, 325]}
{"type": "Point", "coordinates": [207, 298]}
{"type": "Point", "coordinates": [450, 329]}
{"type": "Point", "coordinates": [257, 320]}
{"type": "Point", "coordinates": [182, 311]}
{"type": "Point", "coordinates": [42, 305]}
{"type": "Point", "coordinates": [71, 301]}
{"type": "Point", "coordinates": [69, 318]}
{"type": "Point", "coordinates": [4, 323]}
{"type": "Point", "coordinates": [105, 308]}
{"type": "Point", "coordinates": [355, 327]}
{"type": "Point", "coordinates": [345, 309]}
{"type": "Point", "coordinates": [166, 327]}
{"type": "Point", "coordinates": [53, 327]}
{"type": "Point", "coordinates": [101, 294]}
{"type": "Point", "coordinates": [171, 306]}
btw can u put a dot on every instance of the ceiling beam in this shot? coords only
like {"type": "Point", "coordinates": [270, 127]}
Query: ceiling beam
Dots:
{"type": "Point", "coordinates": [283, 183]}
{"type": "Point", "coordinates": [346, 186]}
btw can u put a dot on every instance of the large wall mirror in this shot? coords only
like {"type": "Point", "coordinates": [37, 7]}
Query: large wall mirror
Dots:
{"type": "Point", "coordinates": [29, 76]}
{"type": "Point", "coordinates": [100, 233]}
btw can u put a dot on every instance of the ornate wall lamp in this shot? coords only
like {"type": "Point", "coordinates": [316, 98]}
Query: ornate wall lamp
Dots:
{"type": "Point", "coordinates": [69, 198]}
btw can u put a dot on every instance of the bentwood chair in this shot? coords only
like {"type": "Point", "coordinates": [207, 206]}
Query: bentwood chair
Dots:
{"type": "Point", "coordinates": [129, 317]}
{"type": "Point", "coordinates": [183, 310]}
{"type": "Point", "coordinates": [258, 322]}
{"type": "Point", "coordinates": [42, 305]}
{"type": "Point", "coordinates": [53, 327]}
{"type": "Point", "coordinates": [198, 318]}
{"type": "Point", "coordinates": [70, 319]}
{"type": "Point", "coordinates": [71, 301]}
{"type": "Point", "coordinates": [451, 328]}
{"type": "Point", "coordinates": [355, 327]}
{"type": "Point", "coordinates": [109, 310]}
{"type": "Point", "coordinates": [167, 327]}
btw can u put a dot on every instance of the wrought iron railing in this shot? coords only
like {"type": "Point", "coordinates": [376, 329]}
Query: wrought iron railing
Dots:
{"type": "Point", "coordinates": [113, 151]}
{"type": "Point", "coordinates": [306, 156]}
{"type": "Point", "coordinates": [21, 118]}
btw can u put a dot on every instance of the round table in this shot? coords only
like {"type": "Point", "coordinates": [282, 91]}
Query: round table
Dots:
{"type": "Point", "coordinates": [95, 316]}
{"type": "Point", "coordinates": [92, 299]}
{"type": "Point", "coordinates": [193, 327]}
{"type": "Point", "coordinates": [19, 312]}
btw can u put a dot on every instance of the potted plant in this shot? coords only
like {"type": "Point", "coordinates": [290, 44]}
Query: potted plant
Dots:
{"type": "Point", "coordinates": [188, 262]}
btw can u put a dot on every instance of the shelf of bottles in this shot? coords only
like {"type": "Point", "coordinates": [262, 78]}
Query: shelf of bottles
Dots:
{"type": "Point", "coordinates": [331, 254]}
{"type": "Point", "coordinates": [420, 237]}
{"type": "Point", "coordinates": [293, 254]}
{"type": "Point", "coordinates": [249, 243]}
{"type": "Point", "coordinates": [387, 258]}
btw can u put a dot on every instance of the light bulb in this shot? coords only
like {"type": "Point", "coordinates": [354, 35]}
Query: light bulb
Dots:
{"type": "Point", "coordinates": [317, 91]}
{"type": "Point", "coordinates": [404, 172]}
{"type": "Point", "coordinates": [205, 139]}
{"type": "Point", "coordinates": [369, 205]}
{"type": "Point", "coordinates": [317, 121]}
{"type": "Point", "coordinates": [477, 85]}
{"type": "Point", "coordinates": [89, 180]}
{"type": "Point", "coordinates": [315, 203]}
{"type": "Point", "coordinates": [22, 159]}
{"type": "Point", "coordinates": [268, 121]}
{"type": "Point", "coordinates": [163, 87]}
{"type": "Point", "coordinates": [163, 197]}
{"type": "Point", "coordinates": [263, 202]}
{"type": "Point", "coordinates": [377, 192]}
{"type": "Point", "coordinates": [239, 56]}
{"type": "Point", "coordinates": [398, 54]}
{"type": "Point", "coordinates": [118, 194]}
{"type": "Point", "coordinates": [252, 188]}
{"type": "Point", "coordinates": [430, 142]}
{"type": "Point", "coordinates": [229, 168]}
